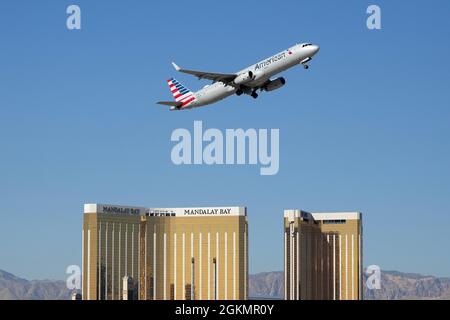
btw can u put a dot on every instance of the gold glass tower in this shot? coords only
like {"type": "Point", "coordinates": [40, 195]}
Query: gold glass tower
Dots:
{"type": "Point", "coordinates": [322, 255]}
{"type": "Point", "coordinates": [164, 254]}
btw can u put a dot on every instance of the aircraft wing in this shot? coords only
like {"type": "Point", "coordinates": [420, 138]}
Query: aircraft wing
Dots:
{"type": "Point", "coordinates": [223, 77]}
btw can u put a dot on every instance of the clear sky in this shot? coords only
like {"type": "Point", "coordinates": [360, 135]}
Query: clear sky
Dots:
{"type": "Point", "coordinates": [366, 128]}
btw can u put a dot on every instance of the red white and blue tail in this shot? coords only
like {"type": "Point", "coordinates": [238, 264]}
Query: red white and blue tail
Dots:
{"type": "Point", "coordinates": [180, 92]}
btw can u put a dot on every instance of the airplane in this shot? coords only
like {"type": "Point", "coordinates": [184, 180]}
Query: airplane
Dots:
{"type": "Point", "coordinates": [247, 81]}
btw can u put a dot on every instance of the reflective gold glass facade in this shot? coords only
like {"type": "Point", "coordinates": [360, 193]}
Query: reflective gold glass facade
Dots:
{"type": "Point", "coordinates": [181, 253]}
{"type": "Point", "coordinates": [323, 255]}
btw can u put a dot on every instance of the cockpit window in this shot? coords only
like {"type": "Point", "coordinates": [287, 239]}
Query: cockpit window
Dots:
{"type": "Point", "coordinates": [306, 44]}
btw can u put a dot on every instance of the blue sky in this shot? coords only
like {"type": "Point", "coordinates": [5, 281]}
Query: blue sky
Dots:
{"type": "Point", "coordinates": [366, 128]}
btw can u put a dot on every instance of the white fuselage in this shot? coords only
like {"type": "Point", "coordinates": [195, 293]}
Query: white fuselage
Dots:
{"type": "Point", "coordinates": [262, 72]}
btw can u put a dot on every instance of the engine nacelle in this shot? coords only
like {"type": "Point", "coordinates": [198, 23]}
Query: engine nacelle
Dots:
{"type": "Point", "coordinates": [244, 77]}
{"type": "Point", "coordinates": [308, 59]}
{"type": "Point", "coordinates": [275, 84]}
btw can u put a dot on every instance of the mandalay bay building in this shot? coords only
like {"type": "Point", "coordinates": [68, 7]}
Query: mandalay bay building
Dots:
{"type": "Point", "coordinates": [322, 255]}
{"type": "Point", "coordinates": [164, 254]}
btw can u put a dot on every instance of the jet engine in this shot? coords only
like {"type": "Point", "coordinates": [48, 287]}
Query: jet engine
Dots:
{"type": "Point", "coordinates": [275, 84]}
{"type": "Point", "coordinates": [244, 77]}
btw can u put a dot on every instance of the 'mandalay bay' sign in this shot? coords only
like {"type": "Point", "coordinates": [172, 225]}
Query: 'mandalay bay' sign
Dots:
{"type": "Point", "coordinates": [113, 209]}
{"type": "Point", "coordinates": [202, 212]}
{"type": "Point", "coordinates": [208, 211]}
{"type": "Point", "coordinates": [120, 210]}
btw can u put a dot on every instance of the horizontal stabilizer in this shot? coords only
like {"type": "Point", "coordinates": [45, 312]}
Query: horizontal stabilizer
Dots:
{"type": "Point", "coordinates": [170, 103]}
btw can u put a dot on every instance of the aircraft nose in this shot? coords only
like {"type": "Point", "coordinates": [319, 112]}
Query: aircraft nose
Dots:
{"type": "Point", "coordinates": [315, 48]}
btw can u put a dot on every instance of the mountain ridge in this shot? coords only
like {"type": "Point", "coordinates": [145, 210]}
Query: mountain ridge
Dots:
{"type": "Point", "coordinates": [16, 288]}
{"type": "Point", "coordinates": [395, 285]}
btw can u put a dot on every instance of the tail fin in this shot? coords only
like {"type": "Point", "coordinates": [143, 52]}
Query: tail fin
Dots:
{"type": "Point", "coordinates": [180, 92]}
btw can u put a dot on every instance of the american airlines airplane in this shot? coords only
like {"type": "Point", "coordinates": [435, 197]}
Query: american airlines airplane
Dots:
{"type": "Point", "coordinates": [248, 81]}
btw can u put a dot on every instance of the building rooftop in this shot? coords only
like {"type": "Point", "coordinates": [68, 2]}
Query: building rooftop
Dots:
{"type": "Point", "coordinates": [175, 212]}
{"type": "Point", "coordinates": [319, 216]}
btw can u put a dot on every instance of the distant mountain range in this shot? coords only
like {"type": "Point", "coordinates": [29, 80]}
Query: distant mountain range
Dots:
{"type": "Point", "coordinates": [268, 285]}
{"type": "Point", "coordinates": [394, 286]}
{"type": "Point", "coordinates": [397, 285]}
{"type": "Point", "coordinates": [15, 288]}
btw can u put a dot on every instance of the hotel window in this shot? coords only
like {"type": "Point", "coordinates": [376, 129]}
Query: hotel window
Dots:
{"type": "Point", "coordinates": [341, 221]}
{"type": "Point", "coordinates": [187, 292]}
{"type": "Point", "coordinates": [172, 291]}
